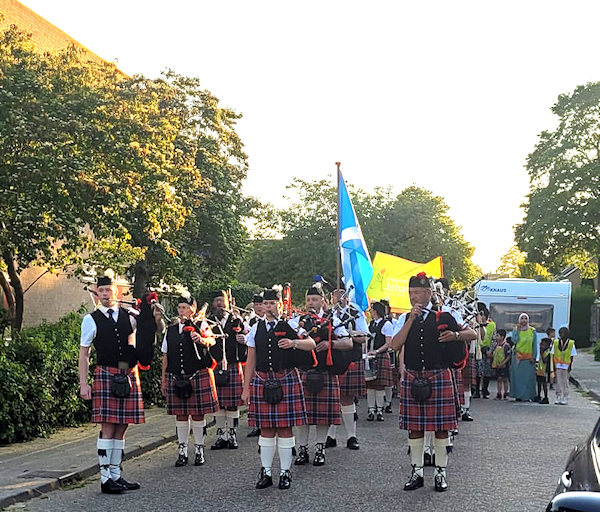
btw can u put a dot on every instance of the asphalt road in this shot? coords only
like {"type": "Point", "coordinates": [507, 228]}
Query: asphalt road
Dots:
{"type": "Point", "coordinates": [508, 459]}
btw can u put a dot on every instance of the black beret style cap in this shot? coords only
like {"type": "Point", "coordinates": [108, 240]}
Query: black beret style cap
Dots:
{"type": "Point", "coordinates": [185, 300]}
{"type": "Point", "coordinates": [419, 281]}
{"type": "Point", "coordinates": [218, 293]}
{"type": "Point", "coordinates": [257, 299]}
{"type": "Point", "coordinates": [315, 290]}
{"type": "Point", "coordinates": [104, 281]}
{"type": "Point", "coordinates": [270, 294]}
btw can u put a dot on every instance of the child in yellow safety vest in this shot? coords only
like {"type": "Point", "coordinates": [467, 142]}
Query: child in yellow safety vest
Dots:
{"type": "Point", "coordinates": [563, 351]}
{"type": "Point", "coordinates": [544, 370]}
{"type": "Point", "coordinates": [500, 363]}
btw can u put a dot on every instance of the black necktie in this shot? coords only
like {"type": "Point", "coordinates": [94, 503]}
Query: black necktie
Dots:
{"type": "Point", "coordinates": [272, 325]}
{"type": "Point", "coordinates": [110, 317]}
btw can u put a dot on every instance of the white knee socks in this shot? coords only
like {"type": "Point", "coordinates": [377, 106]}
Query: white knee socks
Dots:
{"type": "Point", "coordinates": [199, 430]}
{"type": "Point", "coordinates": [389, 391]}
{"type": "Point", "coordinates": [183, 433]}
{"type": "Point", "coordinates": [268, 446]}
{"type": "Point", "coordinates": [417, 454]}
{"type": "Point", "coordinates": [233, 418]}
{"type": "Point", "coordinates": [322, 433]}
{"type": "Point", "coordinates": [441, 454]}
{"type": "Point", "coordinates": [303, 433]}
{"type": "Point", "coordinates": [221, 423]}
{"type": "Point", "coordinates": [349, 419]}
{"type": "Point", "coordinates": [284, 447]}
{"type": "Point", "coordinates": [105, 447]}
{"type": "Point", "coordinates": [380, 399]}
{"type": "Point", "coordinates": [371, 399]}
{"type": "Point", "coordinates": [116, 458]}
{"type": "Point", "coordinates": [467, 399]}
{"type": "Point", "coordinates": [331, 431]}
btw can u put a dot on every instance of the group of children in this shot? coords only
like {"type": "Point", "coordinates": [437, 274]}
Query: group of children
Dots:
{"type": "Point", "coordinates": [552, 368]}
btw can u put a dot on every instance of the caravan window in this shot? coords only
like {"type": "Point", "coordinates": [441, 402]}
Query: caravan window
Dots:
{"type": "Point", "coordinates": [506, 316]}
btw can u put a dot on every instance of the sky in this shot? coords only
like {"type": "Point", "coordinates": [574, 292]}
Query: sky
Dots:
{"type": "Point", "coordinates": [448, 95]}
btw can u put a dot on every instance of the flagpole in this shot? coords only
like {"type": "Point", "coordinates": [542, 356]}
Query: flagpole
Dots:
{"type": "Point", "coordinates": [337, 231]}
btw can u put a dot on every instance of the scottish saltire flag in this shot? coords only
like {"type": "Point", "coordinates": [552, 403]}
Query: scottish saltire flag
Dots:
{"type": "Point", "coordinates": [356, 262]}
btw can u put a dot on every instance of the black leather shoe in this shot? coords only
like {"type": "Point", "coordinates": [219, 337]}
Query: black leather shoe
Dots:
{"type": "Point", "coordinates": [414, 482]}
{"type": "Point", "coordinates": [285, 480]}
{"type": "Point", "coordinates": [182, 460]}
{"type": "Point", "coordinates": [199, 457]}
{"type": "Point", "coordinates": [371, 416]}
{"type": "Point", "coordinates": [255, 432]}
{"type": "Point", "coordinates": [331, 442]}
{"type": "Point", "coordinates": [220, 443]}
{"type": "Point", "coordinates": [476, 395]}
{"type": "Point", "coordinates": [232, 443]}
{"type": "Point", "coordinates": [129, 486]}
{"type": "Point", "coordinates": [352, 443]}
{"type": "Point", "coordinates": [388, 409]}
{"type": "Point", "coordinates": [264, 480]}
{"type": "Point", "coordinates": [467, 416]}
{"type": "Point", "coordinates": [302, 457]}
{"type": "Point", "coordinates": [380, 416]}
{"type": "Point", "coordinates": [112, 487]}
{"type": "Point", "coordinates": [441, 484]}
{"type": "Point", "coordinates": [319, 459]}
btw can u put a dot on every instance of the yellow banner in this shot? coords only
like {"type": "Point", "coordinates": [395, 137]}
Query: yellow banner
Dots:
{"type": "Point", "coordinates": [391, 275]}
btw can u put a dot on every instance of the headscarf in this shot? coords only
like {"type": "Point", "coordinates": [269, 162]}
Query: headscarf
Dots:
{"type": "Point", "coordinates": [521, 328]}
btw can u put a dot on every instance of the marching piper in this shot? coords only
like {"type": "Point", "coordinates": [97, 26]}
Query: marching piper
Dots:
{"type": "Point", "coordinates": [229, 352]}
{"type": "Point", "coordinates": [259, 313]}
{"type": "Point", "coordinates": [187, 378]}
{"type": "Point", "coordinates": [321, 385]}
{"type": "Point", "coordinates": [115, 392]}
{"type": "Point", "coordinates": [427, 397]}
{"type": "Point", "coordinates": [272, 388]}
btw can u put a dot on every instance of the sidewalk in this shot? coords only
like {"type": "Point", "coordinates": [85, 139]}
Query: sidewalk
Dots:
{"type": "Point", "coordinates": [34, 468]}
{"type": "Point", "coordinates": [586, 373]}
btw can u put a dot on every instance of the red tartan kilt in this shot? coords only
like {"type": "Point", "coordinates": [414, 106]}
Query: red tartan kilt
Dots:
{"type": "Point", "coordinates": [458, 385]}
{"type": "Point", "coordinates": [290, 412]}
{"type": "Point", "coordinates": [469, 373]}
{"type": "Point", "coordinates": [352, 383]}
{"type": "Point", "coordinates": [324, 408]}
{"type": "Point", "coordinates": [107, 408]}
{"type": "Point", "coordinates": [230, 395]}
{"type": "Point", "coordinates": [385, 376]}
{"type": "Point", "coordinates": [203, 399]}
{"type": "Point", "coordinates": [439, 412]}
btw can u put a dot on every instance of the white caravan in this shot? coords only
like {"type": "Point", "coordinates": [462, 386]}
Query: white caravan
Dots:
{"type": "Point", "coordinates": [547, 304]}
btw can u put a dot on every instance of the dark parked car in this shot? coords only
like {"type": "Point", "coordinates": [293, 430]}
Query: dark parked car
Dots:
{"type": "Point", "coordinates": [578, 488]}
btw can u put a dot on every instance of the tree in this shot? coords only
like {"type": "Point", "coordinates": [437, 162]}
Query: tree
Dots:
{"type": "Point", "coordinates": [562, 209]}
{"type": "Point", "coordinates": [413, 224]}
{"type": "Point", "coordinates": [88, 164]}
{"type": "Point", "coordinates": [511, 261]}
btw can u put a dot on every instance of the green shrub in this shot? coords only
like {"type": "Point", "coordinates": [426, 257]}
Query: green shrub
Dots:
{"type": "Point", "coordinates": [40, 381]}
{"type": "Point", "coordinates": [597, 350]}
{"type": "Point", "coordinates": [581, 302]}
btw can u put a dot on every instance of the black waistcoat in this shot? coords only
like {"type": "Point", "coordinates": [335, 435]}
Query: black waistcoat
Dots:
{"type": "Point", "coordinates": [268, 354]}
{"type": "Point", "coordinates": [422, 350]}
{"type": "Point", "coordinates": [111, 340]}
{"type": "Point", "coordinates": [235, 352]}
{"type": "Point", "coordinates": [379, 340]}
{"type": "Point", "coordinates": [181, 353]}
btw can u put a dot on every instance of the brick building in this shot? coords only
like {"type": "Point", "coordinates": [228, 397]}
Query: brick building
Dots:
{"type": "Point", "coordinates": [49, 296]}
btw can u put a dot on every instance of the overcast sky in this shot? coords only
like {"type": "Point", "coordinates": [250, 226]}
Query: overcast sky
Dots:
{"type": "Point", "coordinates": [450, 96]}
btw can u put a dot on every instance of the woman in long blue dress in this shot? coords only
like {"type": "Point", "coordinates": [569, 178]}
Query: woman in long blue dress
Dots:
{"type": "Point", "coordinates": [522, 369]}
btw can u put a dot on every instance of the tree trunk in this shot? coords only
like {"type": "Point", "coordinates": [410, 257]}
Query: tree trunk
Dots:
{"type": "Point", "coordinates": [17, 286]}
{"type": "Point", "coordinates": [140, 279]}
{"type": "Point", "coordinates": [10, 299]}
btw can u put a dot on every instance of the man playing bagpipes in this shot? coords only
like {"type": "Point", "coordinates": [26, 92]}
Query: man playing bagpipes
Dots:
{"type": "Point", "coordinates": [352, 382]}
{"type": "Point", "coordinates": [433, 341]}
{"type": "Point", "coordinates": [272, 387]}
{"type": "Point", "coordinates": [187, 378]}
{"type": "Point", "coordinates": [116, 392]}
{"type": "Point", "coordinates": [259, 313]}
{"type": "Point", "coordinates": [321, 385]}
{"type": "Point", "coordinates": [229, 352]}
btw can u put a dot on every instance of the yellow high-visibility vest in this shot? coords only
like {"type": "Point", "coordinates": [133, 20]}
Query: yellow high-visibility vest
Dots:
{"type": "Point", "coordinates": [563, 356]}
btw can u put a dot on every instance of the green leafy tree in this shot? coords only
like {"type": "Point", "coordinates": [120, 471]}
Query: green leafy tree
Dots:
{"type": "Point", "coordinates": [562, 209]}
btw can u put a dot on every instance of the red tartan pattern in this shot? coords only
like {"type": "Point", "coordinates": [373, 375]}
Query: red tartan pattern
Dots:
{"type": "Point", "coordinates": [469, 373]}
{"type": "Point", "coordinates": [458, 384]}
{"type": "Point", "coordinates": [231, 394]}
{"type": "Point", "coordinates": [439, 412]}
{"type": "Point", "coordinates": [107, 408]}
{"type": "Point", "coordinates": [324, 408]}
{"type": "Point", "coordinates": [203, 399]}
{"type": "Point", "coordinates": [385, 376]}
{"type": "Point", "coordinates": [290, 412]}
{"type": "Point", "coordinates": [352, 383]}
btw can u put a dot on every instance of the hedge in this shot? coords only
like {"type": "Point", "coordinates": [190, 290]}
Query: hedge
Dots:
{"type": "Point", "coordinates": [581, 303]}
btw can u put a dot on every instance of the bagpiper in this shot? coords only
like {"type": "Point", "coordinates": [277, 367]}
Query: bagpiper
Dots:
{"type": "Point", "coordinates": [187, 378]}
{"type": "Point", "coordinates": [272, 388]}
{"type": "Point", "coordinates": [115, 393]}
{"type": "Point", "coordinates": [230, 353]}
{"type": "Point", "coordinates": [427, 396]}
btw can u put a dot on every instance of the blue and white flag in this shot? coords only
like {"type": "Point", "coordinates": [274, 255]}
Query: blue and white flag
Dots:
{"type": "Point", "coordinates": [356, 262]}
